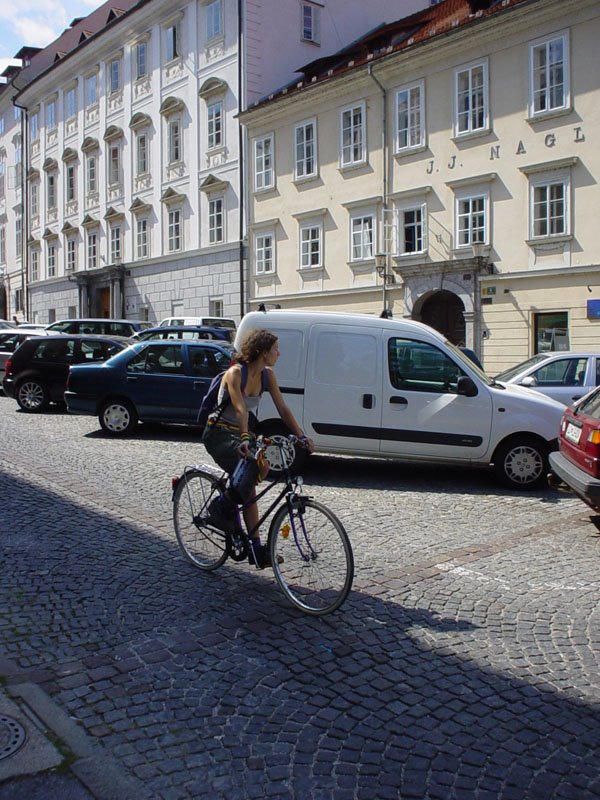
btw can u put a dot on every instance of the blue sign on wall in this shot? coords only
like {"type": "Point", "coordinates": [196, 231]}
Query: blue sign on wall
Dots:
{"type": "Point", "coordinates": [593, 309]}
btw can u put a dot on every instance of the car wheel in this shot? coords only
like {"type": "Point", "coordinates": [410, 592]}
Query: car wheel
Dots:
{"type": "Point", "coordinates": [31, 395]}
{"type": "Point", "coordinates": [522, 463]}
{"type": "Point", "coordinates": [292, 455]}
{"type": "Point", "coordinates": [118, 417]}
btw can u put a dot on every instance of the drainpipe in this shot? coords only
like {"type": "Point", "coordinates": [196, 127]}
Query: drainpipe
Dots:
{"type": "Point", "coordinates": [25, 213]}
{"type": "Point", "coordinates": [241, 188]}
{"type": "Point", "coordinates": [382, 258]}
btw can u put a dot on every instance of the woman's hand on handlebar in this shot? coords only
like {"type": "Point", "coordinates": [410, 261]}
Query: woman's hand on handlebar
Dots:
{"type": "Point", "coordinates": [307, 443]}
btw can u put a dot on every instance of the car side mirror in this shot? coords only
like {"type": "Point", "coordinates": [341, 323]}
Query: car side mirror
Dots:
{"type": "Point", "coordinates": [466, 386]}
{"type": "Point", "coordinates": [528, 380]}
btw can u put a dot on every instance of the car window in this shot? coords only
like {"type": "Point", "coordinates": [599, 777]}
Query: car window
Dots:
{"type": "Point", "coordinates": [508, 374]}
{"type": "Point", "coordinates": [421, 367]}
{"type": "Point", "coordinates": [118, 329]}
{"type": "Point", "coordinates": [54, 350]}
{"type": "Point", "coordinates": [158, 359]}
{"type": "Point", "coordinates": [207, 362]}
{"type": "Point", "coordinates": [597, 371]}
{"type": "Point", "coordinates": [591, 405]}
{"type": "Point", "coordinates": [562, 372]}
{"type": "Point", "coordinates": [95, 350]}
{"type": "Point", "coordinates": [90, 327]}
{"type": "Point", "coordinates": [61, 327]}
{"type": "Point", "coordinates": [9, 344]}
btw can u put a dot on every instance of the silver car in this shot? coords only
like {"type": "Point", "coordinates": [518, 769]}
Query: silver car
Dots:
{"type": "Point", "coordinates": [564, 376]}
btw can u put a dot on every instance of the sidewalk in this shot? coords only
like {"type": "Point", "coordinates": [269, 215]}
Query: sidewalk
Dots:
{"type": "Point", "coordinates": [45, 755]}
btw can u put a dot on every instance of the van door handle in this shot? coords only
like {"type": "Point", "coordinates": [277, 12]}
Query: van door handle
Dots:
{"type": "Point", "coordinates": [367, 400]}
{"type": "Point", "coordinates": [400, 401]}
{"type": "Point", "coordinates": [577, 397]}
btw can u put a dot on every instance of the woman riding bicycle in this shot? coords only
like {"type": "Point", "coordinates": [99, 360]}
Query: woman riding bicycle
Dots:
{"type": "Point", "coordinates": [227, 435]}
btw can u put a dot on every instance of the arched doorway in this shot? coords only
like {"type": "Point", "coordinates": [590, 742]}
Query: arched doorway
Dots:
{"type": "Point", "coordinates": [444, 311]}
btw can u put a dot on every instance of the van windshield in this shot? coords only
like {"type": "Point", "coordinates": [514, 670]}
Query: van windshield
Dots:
{"type": "Point", "coordinates": [464, 359]}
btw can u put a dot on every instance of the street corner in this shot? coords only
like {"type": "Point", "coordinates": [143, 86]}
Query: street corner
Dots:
{"type": "Point", "coordinates": [24, 748]}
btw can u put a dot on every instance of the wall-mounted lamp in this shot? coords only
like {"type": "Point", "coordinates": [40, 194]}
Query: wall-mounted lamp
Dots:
{"type": "Point", "coordinates": [478, 249]}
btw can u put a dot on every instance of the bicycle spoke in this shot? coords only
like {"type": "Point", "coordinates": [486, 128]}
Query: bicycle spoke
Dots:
{"type": "Point", "coordinates": [202, 544]}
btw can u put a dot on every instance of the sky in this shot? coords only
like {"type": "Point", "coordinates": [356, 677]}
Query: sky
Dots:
{"type": "Point", "coordinates": [36, 23]}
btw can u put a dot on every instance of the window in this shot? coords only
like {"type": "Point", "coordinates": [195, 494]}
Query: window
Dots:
{"type": "Point", "coordinates": [71, 103]}
{"type": "Point", "coordinates": [34, 127]}
{"type": "Point", "coordinates": [114, 75]}
{"type": "Point", "coordinates": [549, 75]}
{"type": "Point", "coordinates": [551, 331]}
{"type": "Point", "coordinates": [215, 221]}
{"type": "Point", "coordinates": [471, 221]}
{"type": "Point", "coordinates": [420, 367]}
{"type": "Point", "coordinates": [263, 253]}
{"type": "Point", "coordinates": [411, 225]}
{"type": "Point", "coordinates": [174, 140]}
{"type": "Point", "coordinates": [19, 294]}
{"type": "Point", "coordinates": [172, 42]}
{"type": "Point", "coordinates": [91, 173]}
{"type": "Point", "coordinates": [18, 165]}
{"type": "Point", "coordinates": [34, 199]}
{"type": "Point", "coordinates": [141, 60]}
{"type": "Point", "coordinates": [306, 150]}
{"type": "Point", "coordinates": [141, 154]}
{"type": "Point", "coordinates": [353, 135]}
{"type": "Point", "coordinates": [174, 230]}
{"type": "Point", "coordinates": [2, 177]}
{"type": "Point", "coordinates": [51, 191]}
{"type": "Point", "coordinates": [71, 182]}
{"type": "Point", "coordinates": [263, 163]}
{"type": "Point", "coordinates": [91, 89]}
{"type": "Point", "coordinates": [141, 233]}
{"type": "Point", "coordinates": [410, 118]}
{"type": "Point", "coordinates": [71, 255]}
{"type": "Point", "coordinates": [114, 165]}
{"type": "Point", "coordinates": [34, 262]}
{"type": "Point", "coordinates": [549, 209]}
{"type": "Point", "coordinates": [213, 20]}
{"type": "Point", "coordinates": [92, 250]}
{"type": "Point", "coordinates": [51, 260]}
{"type": "Point", "coordinates": [215, 308]}
{"type": "Point", "coordinates": [362, 238]}
{"type": "Point", "coordinates": [115, 244]}
{"type": "Point", "coordinates": [2, 244]}
{"type": "Point", "coordinates": [215, 124]}
{"type": "Point", "coordinates": [19, 233]}
{"type": "Point", "coordinates": [1, 126]}
{"type": "Point", "coordinates": [471, 99]}
{"type": "Point", "coordinates": [311, 246]}
{"type": "Point", "coordinates": [311, 23]}
{"type": "Point", "coordinates": [51, 115]}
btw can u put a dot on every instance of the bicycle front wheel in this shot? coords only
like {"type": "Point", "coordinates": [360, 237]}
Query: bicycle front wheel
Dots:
{"type": "Point", "coordinates": [201, 543]}
{"type": "Point", "coordinates": [318, 566]}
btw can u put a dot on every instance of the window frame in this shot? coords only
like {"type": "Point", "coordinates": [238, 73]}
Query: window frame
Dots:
{"type": "Point", "coordinates": [114, 164]}
{"type": "Point", "coordinates": [214, 20]}
{"type": "Point", "coordinates": [141, 47]}
{"type": "Point", "coordinates": [215, 130]}
{"type": "Point", "coordinates": [214, 214]}
{"type": "Point", "coordinates": [51, 199]}
{"type": "Point", "coordinates": [305, 254]}
{"type": "Point", "coordinates": [70, 182]}
{"type": "Point", "coordinates": [172, 42]}
{"type": "Point", "coordinates": [548, 180]}
{"type": "Point", "coordinates": [401, 211]}
{"type": "Point", "coordinates": [51, 259]}
{"type": "Point", "coordinates": [71, 102]}
{"type": "Point", "coordinates": [142, 240]}
{"type": "Point", "coordinates": [92, 249]}
{"type": "Point", "coordinates": [116, 243]}
{"type": "Point", "coordinates": [408, 89]}
{"type": "Point", "coordinates": [310, 32]}
{"type": "Point", "coordinates": [91, 173]}
{"type": "Point", "coordinates": [174, 230]}
{"type": "Point", "coordinates": [71, 254]}
{"type": "Point", "coordinates": [361, 255]}
{"type": "Point", "coordinates": [566, 104]}
{"type": "Point", "coordinates": [91, 82]}
{"type": "Point", "coordinates": [51, 115]}
{"type": "Point", "coordinates": [264, 163]}
{"type": "Point", "coordinates": [485, 126]}
{"type": "Point", "coordinates": [303, 126]}
{"type": "Point", "coordinates": [174, 140]}
{"type": "Point", "coordinates": [141, 153]}
{"type": "Point", "coordinates": [351, 109]}
{"type": "Point", "coordinates": [458, 215]}
{"type": "Point", "coordinates": [263, 264]}
{"type": "Point", "coordinates": [115, 75]}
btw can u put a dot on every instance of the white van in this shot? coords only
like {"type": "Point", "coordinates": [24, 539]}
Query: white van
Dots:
{"type": "Point", "coordinates": [207, 322]}
{"type": "Point", "coordinates": [367, 386]}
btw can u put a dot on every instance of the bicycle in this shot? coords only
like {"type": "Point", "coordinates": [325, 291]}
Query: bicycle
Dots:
{"type": "Point", "coordinates": [310, 550]}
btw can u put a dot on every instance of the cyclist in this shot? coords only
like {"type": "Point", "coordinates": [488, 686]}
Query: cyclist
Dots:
{"type": "Point", "coordinates": [227, 435]}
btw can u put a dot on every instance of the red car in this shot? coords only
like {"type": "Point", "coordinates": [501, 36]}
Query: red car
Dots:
{"type": "Point", "coordinates": [577, 463]}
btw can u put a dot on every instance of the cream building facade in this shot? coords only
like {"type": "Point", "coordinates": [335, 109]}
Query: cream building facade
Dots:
{"type": "Point", "coordinates": [445, 169]}
{"type": "Point", "coordinates": [134, 177]}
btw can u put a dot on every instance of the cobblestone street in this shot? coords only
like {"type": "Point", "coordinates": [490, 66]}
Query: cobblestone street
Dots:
{"type": "Point", "coordinates": [464, 664]}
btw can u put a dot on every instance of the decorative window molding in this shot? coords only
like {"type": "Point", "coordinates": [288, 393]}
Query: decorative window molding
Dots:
{"type": "Point", "coordinates": [212, 87]}
{"type": "Point", "coordinates": [49, 234]}
{"type": "Point", "coordinates": [112, 133]}
{"type": "Point", "coordinates": [171, 105]}
{"type": "Point", "coordinates": [50, 164]}
{"type": "Point", "coordinates": [89, 144]}
{"type": "Point", "coordinates": [69, 229]}
{"type": "Point", "coordinates": [170, 196]}
{"type": "Point", "coordinates": [406, 194]}
{"type": "Point", "coordinates": [139, 207]}
{"type": "Point", "coordinates": [113, 214]}
{"type": "Point", "coordinates": [140, 120]}
{"type": "Point", "coordinates": [472, 180]}
{"type": "Point", "coordinates": [89, 222]}
{"type": "Point", "coordinates": [314, 214]}
{"type": "Point", "coordinates": [213, 184]}
{"type": "Point", "coordinates": [550, 166]}
{"type": "Point", "coordinates": [69, 154]}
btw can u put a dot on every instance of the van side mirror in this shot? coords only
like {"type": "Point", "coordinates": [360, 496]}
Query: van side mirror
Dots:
{"type": "Point", "coordinates": [466, 386]}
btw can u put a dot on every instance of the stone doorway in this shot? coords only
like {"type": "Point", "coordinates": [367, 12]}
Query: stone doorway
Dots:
{"type": "Point", "coordinates": [104, 298]}
{"type": "Point", "coordinates": [444, 311]}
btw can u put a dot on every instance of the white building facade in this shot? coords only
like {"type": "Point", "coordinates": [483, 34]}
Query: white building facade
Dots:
{"type": "Point", "coordinates": [134, 189]}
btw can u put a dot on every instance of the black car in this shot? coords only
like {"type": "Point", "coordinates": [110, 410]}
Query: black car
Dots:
{"type": "Point", "coordinates": [36, 373]}
{"type": "Point", "coordinates": [185, 332]}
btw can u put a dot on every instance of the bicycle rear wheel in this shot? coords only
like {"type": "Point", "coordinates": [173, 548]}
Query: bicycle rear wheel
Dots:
{"type": "Point", "coordinates": [318, 566]}
{"type": "Point", "coordinates": [201, 543]}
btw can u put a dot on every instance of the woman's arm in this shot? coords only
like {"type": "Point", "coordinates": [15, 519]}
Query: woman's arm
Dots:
{"type": "Point", "coordinates": [284, 411]}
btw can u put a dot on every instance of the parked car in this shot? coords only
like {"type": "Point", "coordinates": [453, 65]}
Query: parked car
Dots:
{"type": "Point", "coordinates": [209, 322]}
{"type": "Point", "coordinates": [152, 381]}
{"type": "Point", "coordinates": [36, 373]}
{"type": "Point", "coordinates": [577, 463]}
{"type": "Point", "coordinates": [105, 327]}
{"type": "Point", "coordinates": [185, 332]}
{"type": "Point", "coordinates": [10, 340]}
{"type": "Point", "coordinates": [563, 376]}
{"type": "Point", "coordinates": [32, 326]}
{"type": "Point", "coordinates": [364, 385]}
{"type": "Point", "coordinates": [4, 323]}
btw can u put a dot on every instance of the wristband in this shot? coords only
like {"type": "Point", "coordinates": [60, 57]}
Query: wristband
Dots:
{"type": "Point", "coordinates": [245, 437]}
{"type": "Point", "coordinates": [303, 438]}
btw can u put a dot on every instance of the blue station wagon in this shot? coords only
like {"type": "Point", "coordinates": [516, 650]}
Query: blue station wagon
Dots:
{"type": "Point", "coordinates": [154, 381]}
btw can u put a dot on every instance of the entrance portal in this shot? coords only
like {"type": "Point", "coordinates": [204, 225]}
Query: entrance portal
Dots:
{"type": "Point", "coordinates": [104, 302]}
{"type": "Point", "coordinates": [444, 311]}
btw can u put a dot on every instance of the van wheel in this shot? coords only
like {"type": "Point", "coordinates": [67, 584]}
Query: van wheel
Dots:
{"type": "Point", "coordinates": [522, 463]}
{"type": "Point", "coordinates": [118, 417]}
{"type": "Point", "coordinates": [294, 456]}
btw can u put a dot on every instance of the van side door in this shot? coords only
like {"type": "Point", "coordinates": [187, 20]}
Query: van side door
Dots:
{"type": "Point", "coordinates": [423, 415]}
{"type": "Point", "coordinates": [342, 403]}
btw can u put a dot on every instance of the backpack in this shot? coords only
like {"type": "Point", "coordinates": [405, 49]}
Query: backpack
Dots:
{"type": "Point", "coordinates": [210, 403]}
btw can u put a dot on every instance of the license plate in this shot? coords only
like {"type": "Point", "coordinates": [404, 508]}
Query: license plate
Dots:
{"type": "Point", "coordinates": [573, 433]}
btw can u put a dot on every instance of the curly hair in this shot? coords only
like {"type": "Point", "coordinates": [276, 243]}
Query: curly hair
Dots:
{"type": "Point", "coordinates": [254, 345]}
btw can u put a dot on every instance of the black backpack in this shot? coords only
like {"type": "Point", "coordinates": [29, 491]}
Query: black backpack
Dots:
{"type": "Point", "coordinates": [210, 404]}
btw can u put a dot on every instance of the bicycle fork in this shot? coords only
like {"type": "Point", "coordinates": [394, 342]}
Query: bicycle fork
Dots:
{"type": "Point", "coordinates": [297, 508]}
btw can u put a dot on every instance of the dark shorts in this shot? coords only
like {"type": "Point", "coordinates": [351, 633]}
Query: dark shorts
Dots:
{"type": "Point", "coordinates": [222, 444]}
